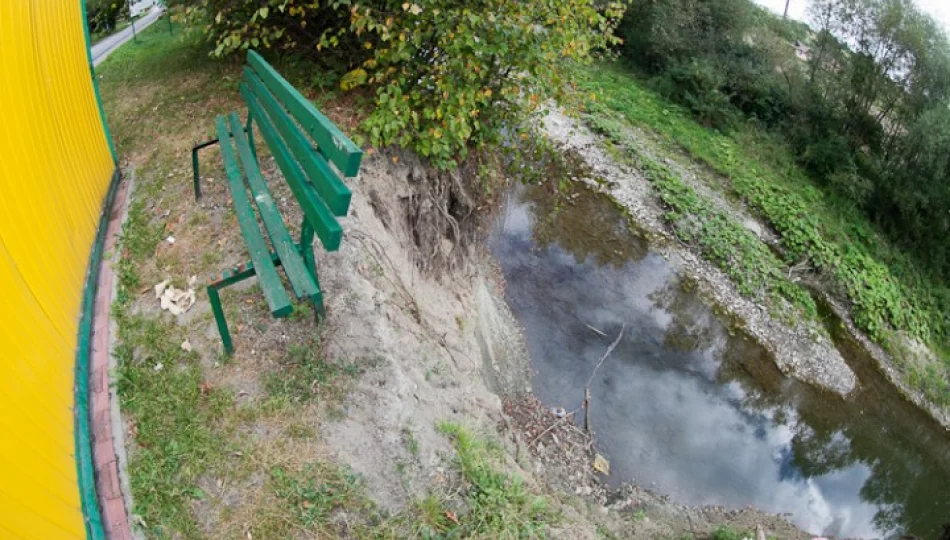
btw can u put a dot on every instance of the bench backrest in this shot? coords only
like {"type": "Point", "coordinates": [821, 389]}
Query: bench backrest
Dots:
{"type": "Point", "coordinates": [304, 143]}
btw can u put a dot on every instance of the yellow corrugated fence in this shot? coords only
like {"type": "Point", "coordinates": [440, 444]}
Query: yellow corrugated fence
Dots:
{"type": "Point", "coordinates": [55, 169]}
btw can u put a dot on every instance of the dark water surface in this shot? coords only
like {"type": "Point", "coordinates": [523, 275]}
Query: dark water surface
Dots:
{"type": "Point", "coordinates": [685, 407]}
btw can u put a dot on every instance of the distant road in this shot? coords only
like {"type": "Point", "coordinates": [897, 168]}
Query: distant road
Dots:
{"type": "Point", "coordinates": [102, 49]}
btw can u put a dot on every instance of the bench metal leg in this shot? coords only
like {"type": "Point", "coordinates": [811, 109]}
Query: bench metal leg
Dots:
{"type": "Point", "coordinates": [235, 275]}
{"type": "Point", "coordinates": [215, 300]}
{"type": "Point", "coordinates": [194, 164]}
{"type": "Point", "coordinates": [310, 260]}
{"type": "Point", "coordinates": [250, 137]}
{"type": "Point", "coordinates": [212, 142]}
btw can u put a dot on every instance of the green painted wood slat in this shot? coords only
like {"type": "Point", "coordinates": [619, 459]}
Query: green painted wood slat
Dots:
{"type": "Point", "coordinates": [274, 292]}
{"type": "Point", "coordinates": [343, 152]}
{"type": "Point", "coordinates": [326, 181]}
{"type": "Point", "coordinates": [316, 211]}
{"type": "Point", "coordinates": [293, 263]}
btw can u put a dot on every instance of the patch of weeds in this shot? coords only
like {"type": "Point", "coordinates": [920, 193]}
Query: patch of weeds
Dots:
{"type": "Point", "coordinates": [412, 445]}
{"type": "Point", "coordinates": [304, 375]}
{"type": "Point", "coordinates": [197, 219]}
{"type": "Point", "coordinates": [496, 505]}
{"type": "Point", "coordinates": [210, 259]}
{"type": "Point", "coordinates": [139, 236]}
{"type": "Point", "coordinates": [314, 496]}
{"type": "Point", "coordinates": [299, 313]}
{"type": "Point", "coordinates": [721, 239]}
{"type": "Point", "coordinates": [724, 532]}
{"type": "Point", "coordinates": [639, 515]}
{"type": "Point", "coordinates": [437, 370]}
{"type": "Point", "coordinates": [299, 430]}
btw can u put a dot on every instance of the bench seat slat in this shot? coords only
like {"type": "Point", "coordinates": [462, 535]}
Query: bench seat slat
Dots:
{"type": "Point", "coordinates": [316, 211]}
{"type": "Point", "coordinates": [332, 142]}
{"type": "Point", "coordinates": [274, 292]}
{"type": "Point", "coordinates": [321, 175]}
{"type": "Point", "coordinates": [293, 264]}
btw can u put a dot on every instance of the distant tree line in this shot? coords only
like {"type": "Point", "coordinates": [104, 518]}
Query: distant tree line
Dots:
{"type": "Point", "coordinates": [864, 101]}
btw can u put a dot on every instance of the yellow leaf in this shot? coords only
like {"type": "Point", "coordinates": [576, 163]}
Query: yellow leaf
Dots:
{"type": "Point", "coordinates": [264, 11]}
{"type": "Point", "coordinates": [405, 7]}
{"type": "Point", "coordinates": [355, 78]}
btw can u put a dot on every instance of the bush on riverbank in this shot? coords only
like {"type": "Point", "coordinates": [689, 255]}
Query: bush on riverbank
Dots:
{"type": "Point", "coordinates": [443, 75]}
{"type": "Point", "coordinates": [861, 97]}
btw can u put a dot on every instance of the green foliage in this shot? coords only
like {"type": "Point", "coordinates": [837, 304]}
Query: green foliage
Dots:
{"type": "Point", "coordinates": [724, 532]}
{"type": "Point", "coordinates": [497, 505]}
{"type": "Point", "coordinates": [864, 113]}
{"type": "Point", "coordinates": [317, 492]}
{"type": "Point", "coordinates": [139, 236]}
{"type": "Point", "coordinates": [444, 75]}
{"type": "Point", "coordinates": [887, 290]}
{"type": "Point", "coordinates": [756, 271]}
{"type": "Point", "coordinates": [304, 375]}
{"type": "Point", "coordinates": [101, 15]}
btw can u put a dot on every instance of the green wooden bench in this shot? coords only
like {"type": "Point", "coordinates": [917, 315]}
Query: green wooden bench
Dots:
{"type": "Point", "coordinates": [304, 143]}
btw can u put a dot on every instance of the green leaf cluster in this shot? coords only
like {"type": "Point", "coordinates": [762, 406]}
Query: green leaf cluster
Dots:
{"type": "Point", "coordinates": [444, 75]}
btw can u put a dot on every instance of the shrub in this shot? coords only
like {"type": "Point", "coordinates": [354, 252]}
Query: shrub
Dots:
{"type": "Point", "coordinates": [101, 15]}
{"type": "Point", "coordinates": [444, 74]}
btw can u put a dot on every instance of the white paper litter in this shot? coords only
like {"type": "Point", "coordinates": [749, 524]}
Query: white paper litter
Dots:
{"type": "Point", "coordinates": [174, 300]}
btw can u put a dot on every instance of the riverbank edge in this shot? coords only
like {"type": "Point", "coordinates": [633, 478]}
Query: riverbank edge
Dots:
{"type": "Point", "coordinates": [629, 188]}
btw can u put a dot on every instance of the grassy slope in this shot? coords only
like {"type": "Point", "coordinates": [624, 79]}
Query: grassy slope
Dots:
{"type": "Point", "coordinates": [886, 290]}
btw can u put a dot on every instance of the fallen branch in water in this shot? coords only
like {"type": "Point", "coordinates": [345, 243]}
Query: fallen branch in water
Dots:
{"type": "Point", "coordinates": [591, 380]}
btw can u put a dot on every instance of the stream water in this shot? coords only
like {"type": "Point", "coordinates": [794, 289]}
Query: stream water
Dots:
{"type": "Point", "coordinates": [686, 406]}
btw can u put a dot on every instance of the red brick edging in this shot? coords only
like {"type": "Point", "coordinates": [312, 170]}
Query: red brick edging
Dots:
{"type": "Point", "coordinates": [115, 517]}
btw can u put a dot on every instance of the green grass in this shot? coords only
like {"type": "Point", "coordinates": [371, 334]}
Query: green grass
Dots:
{"type": "Point", "coordinates": [176, 417]}
{"type": "Point", "coordinates": [888, 292]}
{"type": "Point", "coordinates": [317, 492]}
{"type": "Point", "coordinates": [487, 503]}
{"type": "Point", "coordinates": [724, 532]}
{"type": "Point", "coordinates": [497, 505]}
{"type": "Point", "coordinates": [304, 375]}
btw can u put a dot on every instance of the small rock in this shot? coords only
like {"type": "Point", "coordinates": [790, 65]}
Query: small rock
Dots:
{"type": "Point", "coordinates": [170, 239]}
{"type": "Point", "coordinates": [186, 346]}
{"type": "Point", "coordinates": [159, 366]}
